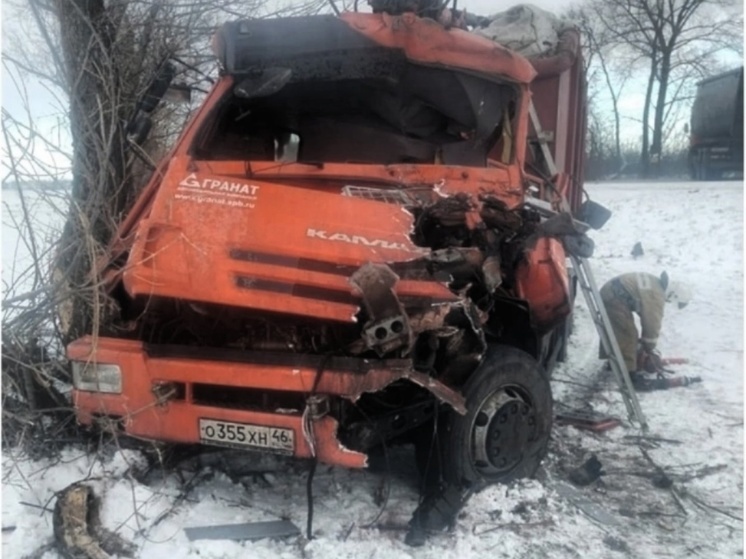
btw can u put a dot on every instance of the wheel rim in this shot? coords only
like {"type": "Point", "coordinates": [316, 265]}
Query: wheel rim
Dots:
{"type": "Point", "coordinates": [502, 431]}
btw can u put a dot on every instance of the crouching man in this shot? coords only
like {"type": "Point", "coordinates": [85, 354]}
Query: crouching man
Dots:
{"type": "Point", "coordinates": [646, 295]}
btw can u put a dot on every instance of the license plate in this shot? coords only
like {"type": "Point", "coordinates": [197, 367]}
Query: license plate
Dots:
{"type": "Point", "coordinates": [226, 433]}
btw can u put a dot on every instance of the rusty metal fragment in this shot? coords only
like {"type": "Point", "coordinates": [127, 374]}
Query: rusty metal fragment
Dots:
{"type": "Point", "coordinates": [451, 211]}
{"type": "Point", "coordinates": [430, 319]}
{"type": "Point", "coordinates": [492, 275]}
{"type": "Point", "coordinates": [387, 328]}
{"type": "Point", "coordinates": [440, 390]}
{"type": "Point", "coordinates": [353, 386]}
{"type": "Point", "coordinates": [459, 263]}
{"type": "Point", "coordinates": [495, 214]}
{"type": "Point", "coordinates": [245, 531]}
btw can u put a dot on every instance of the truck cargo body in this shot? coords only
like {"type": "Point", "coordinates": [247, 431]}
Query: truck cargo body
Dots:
{"type": "Point", "coordinates": [716, 143]}
{"type": "Point", "coordinates": [338, 244]}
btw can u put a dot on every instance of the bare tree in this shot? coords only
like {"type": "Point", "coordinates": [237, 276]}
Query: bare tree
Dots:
{"type": "Point", "coordinates": [97, 57]}
{"type": "Point", "coordinates": [670, 35]}
{"type": "Point", "coordinates": [604, 65]}
{"type": "Point", "coordinates": [103, 55]}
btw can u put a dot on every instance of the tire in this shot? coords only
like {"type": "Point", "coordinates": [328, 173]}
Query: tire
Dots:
{"type": "Point", "coordinates": [509, 402]}
{"type": "Point", "coordinates": [698, 168]}
{"type": "Point", "coordinates": [705, 173]}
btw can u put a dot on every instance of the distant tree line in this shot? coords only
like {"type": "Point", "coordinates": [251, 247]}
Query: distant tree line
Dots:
{"type": "Point", "coordinates": [667, 45]}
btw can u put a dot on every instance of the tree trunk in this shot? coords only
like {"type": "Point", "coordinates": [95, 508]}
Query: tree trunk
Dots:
{"type": "Point", "coordinates": [645, 151]}
{"type": "Point", "coordinates": [617, 135]}
{"type": "Point", "coordinates": [99, 163]}
{"type": "Point", "coordinates": [615, 107]}
{"type": "Point", "coordinates": [656, 149]}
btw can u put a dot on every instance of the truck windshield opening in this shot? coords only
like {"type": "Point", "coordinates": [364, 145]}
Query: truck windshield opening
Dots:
{"type": "Point", "coordinates": [402, 113]}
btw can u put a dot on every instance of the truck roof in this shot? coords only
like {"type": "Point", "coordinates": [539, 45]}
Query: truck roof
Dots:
{"type": "Point", "coordinates": [720, 76]}
{"type": "Point", "coordinates": [346, 45]}
{"type": "Point", "coordinates": [717, 111]}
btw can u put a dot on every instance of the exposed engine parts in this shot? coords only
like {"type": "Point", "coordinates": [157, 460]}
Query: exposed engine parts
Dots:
{"type": "Point", "coordinates": [473, 245]}
{"type": "Point", "coordinates": [475, 248]}
{"type": "Point", "coordinates": [388, 326]}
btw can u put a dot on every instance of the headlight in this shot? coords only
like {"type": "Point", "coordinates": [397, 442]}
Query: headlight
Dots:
{"type": "Point", "coordinates": [97, 377]}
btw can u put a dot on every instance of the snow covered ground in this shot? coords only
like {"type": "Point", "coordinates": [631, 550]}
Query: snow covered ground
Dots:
{"type": "Point", "coordinates": [45, 211]}
{"type": "Point", "coordinates": [692, 230]}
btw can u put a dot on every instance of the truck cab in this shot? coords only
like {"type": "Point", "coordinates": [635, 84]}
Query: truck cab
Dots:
{"type": "Point", "coordinates": [343, 250]}
{"type": "Point", "coordinates": [716, 141]}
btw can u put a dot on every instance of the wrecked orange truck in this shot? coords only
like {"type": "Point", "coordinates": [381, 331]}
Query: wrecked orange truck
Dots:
{"type": "Point", "coordinates": [348, 247]}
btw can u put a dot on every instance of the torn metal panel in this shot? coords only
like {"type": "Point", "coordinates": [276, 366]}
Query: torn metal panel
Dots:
{"type": "Point", "coordinates": [460, 263]}
{"type": "Point", "coordinates": [492, 275]}
{"type": "Point", "coordinates": [592, 421]}
{"type": "Point", "coordinates": [443, 392]}
{"type": "Point", "coordinates": [354, 386]}
{"type": "Point", "coordinates": [560, 224]}
{"type": "Point", "coordinates": [506, 255]}
{"type": "Point", "coordinates": [463, 343]}
{"type": "Point", "coordinates": [593, 510]}
{"type": "Point", "coordinates": [451, 211]}
{"type": "Point", "coordinates": [245, 531]}
{"type": "Point", "coordinates": [432, 319]}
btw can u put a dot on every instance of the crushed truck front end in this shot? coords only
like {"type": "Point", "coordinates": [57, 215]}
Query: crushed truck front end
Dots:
{"type": "Point", "coordinates": [337, 242]}
{"type": "Point", "coordinates": [239, 399]}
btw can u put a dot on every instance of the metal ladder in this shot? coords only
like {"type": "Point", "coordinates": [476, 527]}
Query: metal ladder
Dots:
{"type": "Point", "coordinates": [608, 340]}
{"type": "Point", "coordinates": [593, 300]}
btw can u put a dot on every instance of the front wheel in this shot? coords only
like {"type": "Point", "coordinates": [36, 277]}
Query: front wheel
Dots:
{"type": "Point", "coordinates": [505, 432]}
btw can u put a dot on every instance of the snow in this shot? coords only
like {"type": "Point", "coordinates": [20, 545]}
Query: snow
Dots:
{"type": "Point", "coordinates": [31, 224]}
{"type": "Point", "coordinates": [526, 29]}
{"type": "Point", "coordinates": [692, 230]}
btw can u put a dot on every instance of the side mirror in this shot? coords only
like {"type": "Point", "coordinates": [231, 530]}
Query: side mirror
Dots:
{"type": "Point", "coordinates": [264, 83]}
{"type": "Point", "coordinates": [140, 124]}
{"type": "Point", "coordinates": [594, 214]}
{"type": "Point", "coordinates": [157, 88]}
{"type": "Point", "coordinates": [139, 128]}
{"type": "Point", "coordinates": [178, 93]}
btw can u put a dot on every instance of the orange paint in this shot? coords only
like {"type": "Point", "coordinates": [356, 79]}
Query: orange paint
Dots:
{"type": "Point", "coordinates": [281, 237]}
{"type": "Point", "coordinates": [542, 281]}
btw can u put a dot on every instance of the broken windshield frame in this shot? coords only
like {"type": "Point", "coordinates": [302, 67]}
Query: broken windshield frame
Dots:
{"type": "Point", "coordinates": [265, 82]}
{"type": "Point", "coordinates": [403, 114]}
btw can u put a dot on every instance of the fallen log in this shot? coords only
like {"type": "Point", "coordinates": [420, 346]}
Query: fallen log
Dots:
{"type": "Point", "coordinates": [78, 532]}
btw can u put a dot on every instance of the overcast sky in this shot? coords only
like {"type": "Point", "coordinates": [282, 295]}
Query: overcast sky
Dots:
{"type": "Point", "coordinates": [486, 8]}
{"type": "Point", "coordinates": [46, 111]}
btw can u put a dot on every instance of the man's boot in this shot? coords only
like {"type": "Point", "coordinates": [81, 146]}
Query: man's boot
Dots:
{"type": "Point", "coordinates": [436, 512]}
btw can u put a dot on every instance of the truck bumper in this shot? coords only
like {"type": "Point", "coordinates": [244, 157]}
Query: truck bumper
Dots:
{"type": "Point", "coordinates": [163, 394]}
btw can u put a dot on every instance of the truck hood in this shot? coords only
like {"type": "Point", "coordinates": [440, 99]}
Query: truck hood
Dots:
{"type": "Point", "coordinates": [268, 246]}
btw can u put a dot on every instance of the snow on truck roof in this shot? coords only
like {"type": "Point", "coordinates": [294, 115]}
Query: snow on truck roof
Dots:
{"type": "Point", "coordinates": [516, 44]}
{"type": "Point", "coordinates": [527, 30]}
